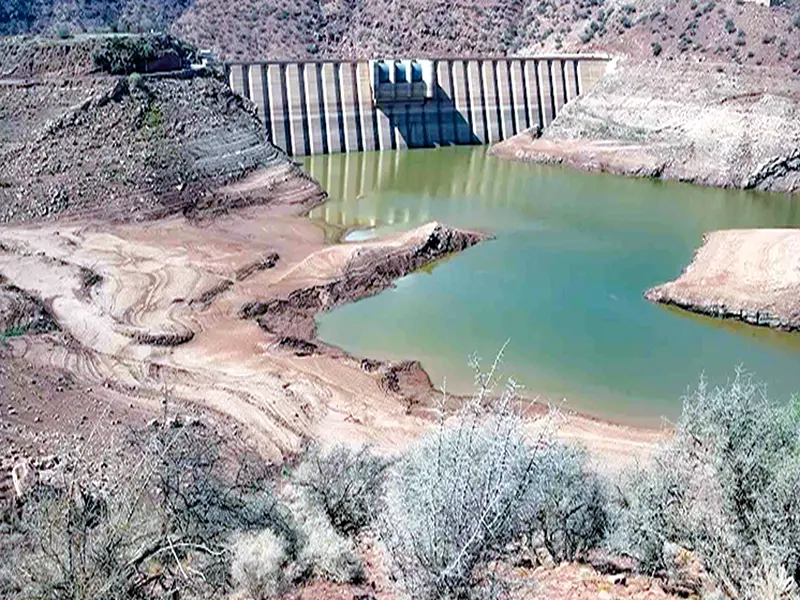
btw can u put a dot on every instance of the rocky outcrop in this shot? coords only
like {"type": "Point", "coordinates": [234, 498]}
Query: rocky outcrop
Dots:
{"type": "Point", "coordinates": [719, 125]}
{"type": "Point", "coordinates": [751, 276]}
{"type": "Point", "coordinates": [20, 312]}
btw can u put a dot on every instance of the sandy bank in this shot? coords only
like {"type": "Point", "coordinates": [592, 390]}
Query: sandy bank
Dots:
{"type": "Point", "coordinates": [751, 275]}
{"type": "Point", "coordinates": [722, 125]}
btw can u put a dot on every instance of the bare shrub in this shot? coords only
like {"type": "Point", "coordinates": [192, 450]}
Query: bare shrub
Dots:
{"type": "Point", "coordinates": [161, 527]}
{"type": "Point", "coordinates": [727, 488]}
{"type": "Point", "coordinates": [259, 564]}
{"type": "Point", "coordinates": [326, 553]}
{"type": "Point", "coordinates": [566, 505]}
{"type": "Point", "coordinates": [346, 483]}
{"type": "Point", "coordinates": [454, 501]}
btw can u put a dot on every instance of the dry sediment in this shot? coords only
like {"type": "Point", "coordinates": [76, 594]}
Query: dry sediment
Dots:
{"type": "Point", "coordinates": [722, 125]}
{"type": "Point", "coordinates": [162, 304]}
{"type": "Point", "coordinates": [266, 378]}
{"type": "Point", "coordinates": [751, 276]}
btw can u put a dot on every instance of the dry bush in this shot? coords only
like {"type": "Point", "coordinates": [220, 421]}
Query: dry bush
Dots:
{"type": "Point", "coordinates": [161, 527]}
{"type": "Point", "coordinates": [325, 553]}
{"type": "Point", "coordinates": [566, 506]}
{"type": "Point", "coordinates": [259, 564]}
{"type": "Point", "coordinates": [462, 494]}
{"type": "Point", "coordinates": [727, 488]}
{"type": "Point", "coordinates": [347, 484]}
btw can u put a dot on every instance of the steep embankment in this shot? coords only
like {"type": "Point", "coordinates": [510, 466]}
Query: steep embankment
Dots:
{"type": "Point", "coordinates": [747, 275]}
{"type": "Point", "coordinates": [719, 125]}
{"type": "Point", "coordinates": [75, 141]}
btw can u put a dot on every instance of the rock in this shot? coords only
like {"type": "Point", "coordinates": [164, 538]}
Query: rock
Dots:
{"type": "Point", "coordinates": [23, 478]}
{"type": "Point", "coordinates": [544, 558]}
{"type": "Point", "coordinates": [618, 579]}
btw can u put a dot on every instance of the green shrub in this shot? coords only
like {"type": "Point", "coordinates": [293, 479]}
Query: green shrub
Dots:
{"type": "Point", "coordinates": [63, 32]}
{"type": "Point", "coordinates": [134, 80]}
{"type": "Point", "coordinates": [730, 26]}
{"type": "Point", "coordinates": [656, 48]}
{"type": "Point", "coordinates": [727, 487]}
{"type": "Point", "coordinates": [123, 55]}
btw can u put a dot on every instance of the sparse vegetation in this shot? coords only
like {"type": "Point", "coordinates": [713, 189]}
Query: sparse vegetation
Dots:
{"type": "Point", "coordinates": [346, 484]}
{"type": "Point", "coordinates": [727, 488]}
{"type": "Point", "coordinates": [723, 492]}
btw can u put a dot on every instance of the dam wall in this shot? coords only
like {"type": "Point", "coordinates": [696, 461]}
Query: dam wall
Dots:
{"type": "Point", "coordinates": [328, 107]}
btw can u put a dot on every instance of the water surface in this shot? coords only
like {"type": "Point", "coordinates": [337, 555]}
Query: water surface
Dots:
{"type": "Point", "coordinates": [563, 280]}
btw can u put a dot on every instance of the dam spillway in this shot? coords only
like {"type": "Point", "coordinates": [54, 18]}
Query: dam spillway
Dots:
{"type": "Point", "coordinates": [329, 107]}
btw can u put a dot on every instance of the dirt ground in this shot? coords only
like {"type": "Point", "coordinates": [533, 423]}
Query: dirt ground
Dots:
{"type": "Point", "coordinates": [750, 275]}
{"type": "Point", "coordinates": [165, 305]}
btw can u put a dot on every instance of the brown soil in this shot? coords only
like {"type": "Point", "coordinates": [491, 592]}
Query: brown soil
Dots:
{"type": "Point", "coordinates": [683, 122]}
{"type": "Point", "coordinates": [747, 275]}
{"type": "Point", "coordinates": [77, 143]}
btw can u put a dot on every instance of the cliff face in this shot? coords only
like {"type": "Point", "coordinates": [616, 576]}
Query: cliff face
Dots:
{"type": "Point", "coordinates": [719, 125]}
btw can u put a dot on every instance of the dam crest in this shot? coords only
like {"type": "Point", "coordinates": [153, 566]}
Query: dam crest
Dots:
{"type": "Point", "coordinates": [329, 107]}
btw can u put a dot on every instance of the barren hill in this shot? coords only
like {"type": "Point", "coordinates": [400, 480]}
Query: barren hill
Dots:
{"type": "Point", "coordinates": [75, 140]}
{"type": "Point", "coordinates": [732, 30]}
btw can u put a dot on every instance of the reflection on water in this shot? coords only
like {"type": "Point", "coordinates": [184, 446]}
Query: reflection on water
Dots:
{"type": "Point", "coordinates": [563, 280]}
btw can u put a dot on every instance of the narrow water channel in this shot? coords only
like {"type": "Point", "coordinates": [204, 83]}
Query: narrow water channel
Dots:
{"type": "Point", "coordinates": [562, 281]}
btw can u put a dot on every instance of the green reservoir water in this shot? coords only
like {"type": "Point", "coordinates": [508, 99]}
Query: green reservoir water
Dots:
{"type": "Point", "coordinates": [562, 281]}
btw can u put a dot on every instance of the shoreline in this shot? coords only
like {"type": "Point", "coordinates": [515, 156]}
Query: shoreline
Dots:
{"type": "Point", "coordinates": [167, 313]}
{"type": "Point", "coordinates": [686, 122]}
{"type": "Point", "coordinates": [744, 275]}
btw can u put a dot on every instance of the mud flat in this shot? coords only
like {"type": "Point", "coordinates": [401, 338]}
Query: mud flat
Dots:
{"type": "Point", "coordinates": [721, 125]}
{"type": "Point", "coordinates": [750, 275]}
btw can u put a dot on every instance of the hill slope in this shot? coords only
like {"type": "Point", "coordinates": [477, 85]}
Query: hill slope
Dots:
{"type": "Point", "coordinates": [252, 29]}
{"type": "Point", "coordinates": [74, 141]}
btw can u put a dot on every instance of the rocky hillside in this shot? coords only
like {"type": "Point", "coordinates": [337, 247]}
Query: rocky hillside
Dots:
{"type": "Point", "coordinates": [718, 124]}
{"type": "Point", "coordinates": [714, 29]}
{"type": "Point", "coordinates": [76, 140]}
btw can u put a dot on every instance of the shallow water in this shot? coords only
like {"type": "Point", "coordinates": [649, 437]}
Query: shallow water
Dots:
{"type": "Point", "coordinates": [562, 281]}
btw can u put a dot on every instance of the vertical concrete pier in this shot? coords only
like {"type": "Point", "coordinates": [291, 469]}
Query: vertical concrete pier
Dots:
{"type": "Point", "coordinates": [323, 107]}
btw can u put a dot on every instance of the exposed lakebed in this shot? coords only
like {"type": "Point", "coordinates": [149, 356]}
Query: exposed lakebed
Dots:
{"type": "Point", "coordinates": [563, 280]}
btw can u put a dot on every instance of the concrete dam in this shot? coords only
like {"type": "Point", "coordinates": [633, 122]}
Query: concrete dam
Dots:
{"type": "Point", "coordinates": [328, 107]}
